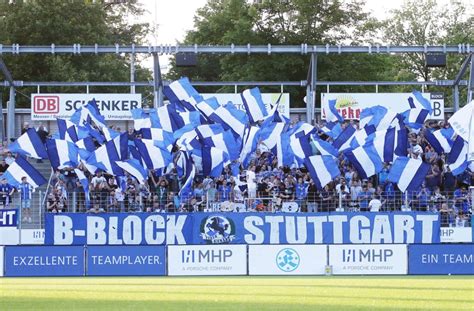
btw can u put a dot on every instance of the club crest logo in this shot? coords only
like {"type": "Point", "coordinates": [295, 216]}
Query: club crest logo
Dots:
{"type": "Point", "coordinates": [217, 230]}
{"type": "Point", "coordinates": [287, 260]}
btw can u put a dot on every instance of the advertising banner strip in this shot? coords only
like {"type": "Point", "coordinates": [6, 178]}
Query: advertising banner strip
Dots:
{"type": "Point", "coordinates": [350, 105]}
{"type": "Point", "coordinates": [207, 260]}
{"type": "Point", "coordinates": [368, 259]}
{"type": "Point", "coordinates": [241, 228]}
{"type": "Point", "coordinates": [441, 259]}
{"type": "Point", "coordinates": [287, 259]}
{"type": "Point", "coordinates": [62, 106]}
{"type": "Point", "coordinates": [126, 260]}
{"type": "Point", "coordinates": [456, 235]}
{"type": "Point", "coordinates": [8, 218]}
{"type": "Point", "coordinates": [44, 260]}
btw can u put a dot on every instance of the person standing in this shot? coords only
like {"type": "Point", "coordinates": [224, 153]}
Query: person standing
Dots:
{"type": "Point", "coordinates": [25, 190]}
{"type": "Point", "coordinates": [6, 190]}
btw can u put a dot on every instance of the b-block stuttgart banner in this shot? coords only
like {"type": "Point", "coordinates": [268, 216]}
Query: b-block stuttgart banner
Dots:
{"type": "Point", "coordinates": [241, 228]}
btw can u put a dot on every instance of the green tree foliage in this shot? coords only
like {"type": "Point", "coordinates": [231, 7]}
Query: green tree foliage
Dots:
{"type": "Point", "coordinates": [43, 22]}
{"type": "Point", "coordinates": [284, 22]}
{"type": "Point", "coordinates": [420, 22]}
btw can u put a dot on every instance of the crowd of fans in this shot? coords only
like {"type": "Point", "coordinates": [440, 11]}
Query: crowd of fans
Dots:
{"type": "Point", "coordinates": [264, 186]}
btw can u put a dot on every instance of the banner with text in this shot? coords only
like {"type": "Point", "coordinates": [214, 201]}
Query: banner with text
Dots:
{"type": "Point", "coordinates": [112, 106]}
{"type": "Point", "coordinates": [44, 261]}
{"type": "Point", "coordinates": [269, 99]}
{"type": "Point", "coordinates": [241, 228]}
{"type": "Point", "coordinates": [441, 259]}
{"type": "Point", "coordinates": [368, 259]}
{"type": "Point", "coordinates": [456, 235]}
{"type": "Point", "coordinates": [8, 217]}
{"type": "Point", "coordinates": [287, 259]}
{"type": "Point", "coordinates": [126, 260]}
{"type": "Point", "coordinates": [207, 260]}
{"type": "Point", "coordinates": [118, 229]}
{"type": "Point", "coordinates": [350, 105]}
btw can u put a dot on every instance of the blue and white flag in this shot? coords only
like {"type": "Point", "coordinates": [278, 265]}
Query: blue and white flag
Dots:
{"type": "Point", "coordinates": [249, 145]}
{"type": "Point", "coordinates": [157, 134]}
{"type": "Point", "coordinates": [189, 173]}
{"type": "Point", "coordinates": [29, 144]}
{"type": "Point", "coordinates": [109, 133]}
{"type": "Point", "coordinates": [105, 157]}
{"type": "Point", "coordinates": [70, 131]}
{"type": "Point", "coordinates": [161, 118]}
{"type": "Point", "coordinates": [230, 118]}
{"type": "Point", "coordinates": [207, 107]}
{"type": "Point", "coordinates": [86, 144]}
{"type": "Point", "coordinates": [62, 153]}
{"type": "Point", "coordinates": [283, 150]}
{"type": "Point", "coordinates": [332, 115]}
{"type": "Point", "coordinates": [208, 130]}
{"type": "Point", "coordinates": [254, 105]}
{"type": "Point", "coordinates": [323, 147]}
{"type": "Point", "coordinates": [457, 157]}
{"type": "Point", "coordinates": [85, 185]}
{"type": "Point", "coordinates": [226, 142]}
{"type": "Point", "coordinates": [439, 141]}
{"type": "Point", "coordinates": [461, 121]}
{"type": "Point", "coordinates": [301, 148]}
{"type": "Point", "coordinates": [22, 168]}
{"type": "Point", "coordinates": [365, 160]}
{"type": "Point", "coordinates": [179, 90]}
{"type": "Point", "coordinates": [154, 156]}
{"type": "Point", "coordinates": [121, 145]}
{"type": "Point", "coordinates": [134, 168]}
{"type": "Point", "coordinates": [389, 143]}
{"type": "Point", "coordinates": [301, 129]}
{"type": "Point", "coordinates": [88, 114]}
{"type": "Point", "coordinates": [415, 117]}
{"type": "Point", "coordinates": [331, 129]}
{"type": "Point", "coordinates": [182, 119]}
{"type": "Point", "coordinates": [408, 173]}
{"type": "Point", "coordinates": [271, 134]}
{"type": "Point", "coordinates": [378, 116]}
{"type": "Point", "coordinates": [141, 119]}
{"type": "Point", "coordinates": [213, 161]}
{"type": "Point", "coordinates": [343, 141]}
{"type": "Point", "coordinates": [323, 169]}
{"type": "Point", "coordinates": [421, 102]}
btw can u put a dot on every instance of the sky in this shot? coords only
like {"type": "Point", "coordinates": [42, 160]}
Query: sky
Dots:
{"type": "Point", "coordinates": [173, 18]}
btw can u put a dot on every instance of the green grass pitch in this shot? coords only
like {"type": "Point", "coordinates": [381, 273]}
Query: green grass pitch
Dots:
{"type": "Point", "coordinates": [238, 293]}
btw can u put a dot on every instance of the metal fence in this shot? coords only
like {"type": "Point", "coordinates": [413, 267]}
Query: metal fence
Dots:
{"type": "Point", "coordinates": [455, 208]}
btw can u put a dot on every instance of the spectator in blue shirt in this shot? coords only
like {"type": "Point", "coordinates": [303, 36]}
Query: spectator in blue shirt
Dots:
{"type": "Point", "coordinates": [25, 190]}
{"type": "Point", "coordinates": [6, 190]}
{"type": "Point", "coordinates": [461, 200]}
{"type": "Point", "coordinates": [363, 198]}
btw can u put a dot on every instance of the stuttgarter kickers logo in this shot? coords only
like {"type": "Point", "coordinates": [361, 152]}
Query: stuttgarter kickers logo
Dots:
{"type": "Point", "coordinates": [217, 230]}
{"type": "Point", "coordinates": [287, 260]}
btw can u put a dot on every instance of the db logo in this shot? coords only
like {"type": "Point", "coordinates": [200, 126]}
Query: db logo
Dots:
{"type": "Point", "coordinates": [46, 104]}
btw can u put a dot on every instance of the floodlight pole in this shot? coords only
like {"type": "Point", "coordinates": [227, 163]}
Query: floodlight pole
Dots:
{"type": "Point", "coordinates": [157, 82]}
{"type": "Point", "coordinates": [311, 88]}
{"type": "Point", "coordinates": [11, 103]}
{"type": "Point", "coordinates": [470, 87]}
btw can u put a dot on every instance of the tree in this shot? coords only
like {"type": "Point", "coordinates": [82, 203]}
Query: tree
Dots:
{"type": "Point", "coordinates": [283, 22]}
{"type": "Point", "coordinates": [43, 22]}
{"type": "Point", "coordinates": [420, 22]}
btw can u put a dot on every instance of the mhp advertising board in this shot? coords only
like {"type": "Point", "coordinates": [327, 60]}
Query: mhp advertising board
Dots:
{"type": "Point", "coordinates": [287, 259]}
{"type": "Point", "coordinates": [44, 260]}
{"type": "Point", "coordinates": [207, 260]}
{"type": "Point", "coordinates": [118, 229]}
{"type": "Point", "coordinates": [242, 228]}
{"type": "Point", "coordinates": [126, 260]}
{"type": "Point", "coordinates": [8, 217]}
{"type": "Point", "coordinates": [368, 259]}
{"type": "Point", "coordinates": [441, 259]}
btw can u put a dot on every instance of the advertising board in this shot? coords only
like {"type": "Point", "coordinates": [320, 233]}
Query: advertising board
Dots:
{"type": "Point", "coordinates": [287, 259]}
{"type": "Point", "coordinates": [441, 259]}
{"type": "Point", "coordinates": [126, 260]}
{"type": "Point", "coordinates": [368, 259]}
{"type": "Point", "coordinates": [44, 260]}
{"type": "Point", "coordinates": [456, 235]}
{"type": "Point", "coordinates": [112, 106]}
{"type": "Point", "coordinates": [8, 218]}
{"type": "Point", "coordinates": [350, 105]}
{"type": "Point", "coordinates": [1, 261]}
{"type": "Point", "coordinates": [207, 260]}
